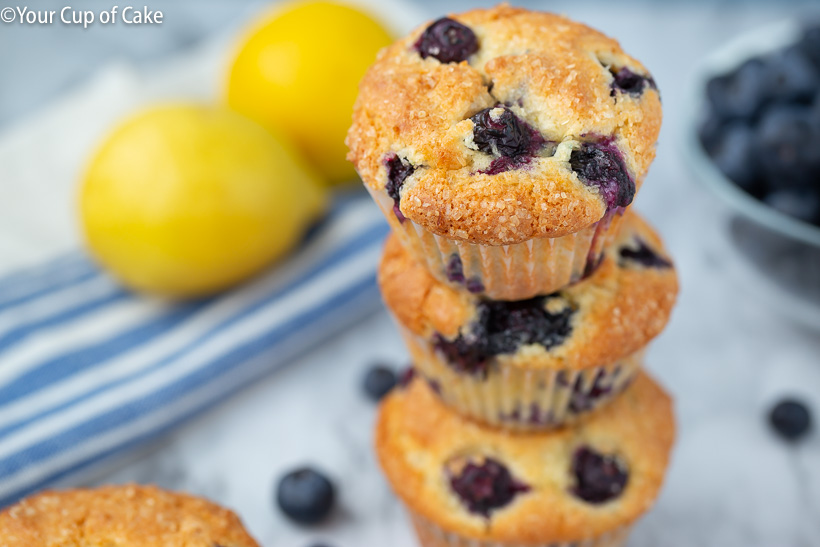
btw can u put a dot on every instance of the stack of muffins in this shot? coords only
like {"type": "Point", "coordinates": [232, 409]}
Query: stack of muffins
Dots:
{"type": "Point", "coordinates": [505, 147]}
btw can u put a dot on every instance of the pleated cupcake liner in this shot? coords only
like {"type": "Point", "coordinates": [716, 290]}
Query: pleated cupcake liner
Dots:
{"type": "Point", "coordinates": [432, 535]}
{"type": "Point", "coordinates": [517, 398]}
{"type": "Point", "coordinates": [505, 272]}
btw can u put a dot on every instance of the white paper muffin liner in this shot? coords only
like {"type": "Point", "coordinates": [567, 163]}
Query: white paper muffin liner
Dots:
{"type": "Point", "coordinates": [431, 535]}
{"type": "Point", "coordinates": [520, 399]}
{"type": "Point", "coordinates": [505, 272]}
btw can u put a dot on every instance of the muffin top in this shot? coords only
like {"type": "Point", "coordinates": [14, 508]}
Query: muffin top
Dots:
{"type": "Point", "coordinates": [120, 516]}
{"type": "Point", "coordinates": [501, 125]}
{"type": "Point", "coordinates": [484, 483]}
{"type": "Point", "coordinates": [611, 314]}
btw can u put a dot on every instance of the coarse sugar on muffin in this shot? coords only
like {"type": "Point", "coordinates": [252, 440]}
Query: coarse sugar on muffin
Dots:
{"type": "Point", "coordinates": [466, 484]}
{"type": "Point", "coordinates": [541, 362]}
{"type": "Point", "coordinates": [529, 133]}
{"type": "Point", "coordinates": [505, 133]}
{"type": "Point", "coordinates": [114, 516]}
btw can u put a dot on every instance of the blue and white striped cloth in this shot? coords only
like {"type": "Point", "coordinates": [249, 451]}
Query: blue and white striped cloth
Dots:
{"type": "Point", "coordinates": [89, 371]}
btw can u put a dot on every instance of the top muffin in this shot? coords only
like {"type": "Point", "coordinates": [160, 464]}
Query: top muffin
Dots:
{"type": "Point", "coordinates": [502, 125]}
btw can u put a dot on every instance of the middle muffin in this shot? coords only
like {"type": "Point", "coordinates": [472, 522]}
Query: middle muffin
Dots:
{"type": "Point", "coordinates": [542, 362]}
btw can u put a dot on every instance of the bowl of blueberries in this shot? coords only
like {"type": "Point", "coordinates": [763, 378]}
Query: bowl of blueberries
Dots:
{"type": "Point", "coordinates": [755, 142]}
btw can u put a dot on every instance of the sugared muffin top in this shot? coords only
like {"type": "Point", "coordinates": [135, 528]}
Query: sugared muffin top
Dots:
{"type": "Point", "coordinates": [120, 516]}
{"type": "Point", "coordinates": [567, 485]}
{"type": "Point", "coordinates": [501, 125]}
{"type": "Point", "coordinates": [611, 314]}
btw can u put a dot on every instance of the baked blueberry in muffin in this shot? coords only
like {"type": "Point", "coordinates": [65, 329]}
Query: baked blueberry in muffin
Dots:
{"type": "Point", "coordinates": [484, 485]}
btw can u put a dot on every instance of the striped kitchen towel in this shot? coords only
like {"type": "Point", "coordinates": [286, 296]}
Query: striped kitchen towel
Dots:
{"type": "Point", "coordinates": [89, 371]}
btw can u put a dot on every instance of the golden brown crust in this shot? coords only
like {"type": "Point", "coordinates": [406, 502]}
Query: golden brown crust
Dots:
{"type": "Point", "coordinates": [120, 516]}
{"type": "Point", "coordinates": [417, 435]}
{"type": "Point", "coordinates": [553, 73]}
{"type": "Point", "coordinates": [619, 308]}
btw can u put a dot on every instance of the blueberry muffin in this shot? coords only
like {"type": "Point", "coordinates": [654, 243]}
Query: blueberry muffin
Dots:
{"type": "Point", "coordinates": [502, 145]}
{"type": "Point", "coordinates": [541, 362]}
{"type": "Point", "coordinates": [470, 485]}
{"type": "Point", "coordinates": [131, 515]}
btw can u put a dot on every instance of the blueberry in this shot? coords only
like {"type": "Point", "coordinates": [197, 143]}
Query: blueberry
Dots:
{"type": "Point", "coordinates": [641, 253]}
{"type": "Point", "coordinates": [486, 486]}
{"type": "Point", "coordinates": [406, 377]}
{"type": "Point", "coordinates": [598, 477]}
{"type": "Point", "coordinates": [800, 203]}
{"type": "Point", "coordinates": [790, 419]}
{"type": "Point", "coordinates": [398, 169]}
{"type": "Point", "coordinates": [735, 154]}
{"type": "Point", "coordinates": [305, 495]}
{"type": "Point", "coordinates": [474, 285]}
{"type": "Point", "coordinates": [739, 94]}
{"type": "Point", "coordinates": [791, 76]}
{"type": "Point", "coordinates": [810, 44]}
{"type": "Point", "coordinates": [455, 269]}
{"type": "Point", "coordinates": [601, 165]}
{"type": "Point", "coordinates": [501, 328]}
{"type": "Point", "coordinates": [499, 132]}
{"type": "Point", "coordinates": [582, 400]}
{"type": "Point", "coordinates": [789, 146]}
{"type": "Point", "coordinates": [710, 131]}
{"type": "Point", "coordinates": [378, 381]}
{"type": "Point", "coordinates": [448, 41]}
{"type": "Point", "coordinates": [626, 81]}
{"type": "Point", "coordinates": [814, 115]}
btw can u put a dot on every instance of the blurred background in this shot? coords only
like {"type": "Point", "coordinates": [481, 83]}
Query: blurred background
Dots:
{"type": "Point", "coordinates": [743, 337]}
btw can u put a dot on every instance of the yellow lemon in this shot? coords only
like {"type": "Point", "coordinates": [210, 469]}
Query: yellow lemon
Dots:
{"type": "Point", "coordinates": [299, 72]}
{"type": "Point", "coordinates": [185, 200]}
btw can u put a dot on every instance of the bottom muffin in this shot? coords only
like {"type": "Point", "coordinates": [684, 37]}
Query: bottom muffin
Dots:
{"type": "Point", "coordinates": [467, 484]}
{"type": "Point", "coordinates": [130, 515]}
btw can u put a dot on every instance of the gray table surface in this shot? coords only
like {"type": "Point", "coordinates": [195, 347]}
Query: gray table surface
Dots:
{"type": "Point", "coordinates": [725, 355]}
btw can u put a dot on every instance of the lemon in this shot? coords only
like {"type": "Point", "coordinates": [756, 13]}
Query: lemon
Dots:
{"type": "Point", "coordinates": [299, 71]}
{"type": "Point", "coordinates": [187, 200]}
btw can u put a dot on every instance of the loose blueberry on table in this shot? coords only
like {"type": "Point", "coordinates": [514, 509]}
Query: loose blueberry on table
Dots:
{"type": "Point", "coordinates": [486, 486]}
{"type": "Point", "coordinates": [790, 419]}
{"type": "Point", "coordinates": [762, 127]}
{"type": "Point", "coordinates": [305, 495]}
{"type": "Point", "coordinates": [503, 327]}
{"type": "Point", "coordinates": [378, 381]}
{"type": "Point", "coordinates": [598, 477]}
{"type": "Point", "coordinates": [448, 41]}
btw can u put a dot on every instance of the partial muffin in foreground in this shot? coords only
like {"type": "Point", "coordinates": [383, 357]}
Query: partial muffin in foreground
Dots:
{"type": "Point", "coordinates": [470, 485]}
{"type": "Point", "coordinates": [542, 362]}
{"type": "Point", "coordinates": [129, 515]}
{"type": "Point", "coordinates": [505, 136]}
